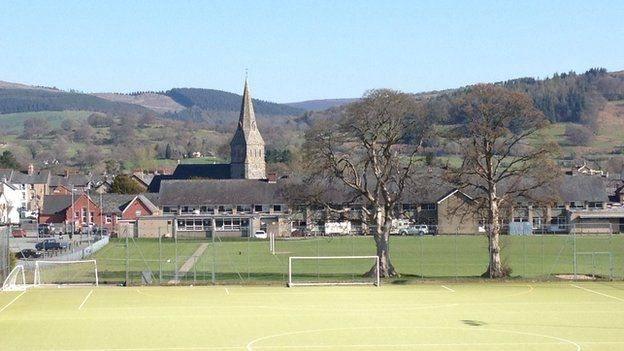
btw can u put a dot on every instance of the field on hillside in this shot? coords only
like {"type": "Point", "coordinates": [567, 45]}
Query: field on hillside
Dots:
{"type": "Point", "coordinates": [486, 317]}
{"type": "Point", "coordinates": [244, 261]}
{"type": "Point", "coordinates": [14, 122]}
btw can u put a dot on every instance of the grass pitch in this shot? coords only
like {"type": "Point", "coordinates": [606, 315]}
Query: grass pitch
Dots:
{"type": "Point", "coordinates": [487, 316]}
{"type": "Point", "coordinates": [444, 256]}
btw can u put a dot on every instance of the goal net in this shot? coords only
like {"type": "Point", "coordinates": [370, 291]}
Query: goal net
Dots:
{"type": "Point", "coordinates": [332, 270]}
{"type": "Point", "coordinates": [66, 272]}
{"type": "Point", "coordinates": [16, 280]}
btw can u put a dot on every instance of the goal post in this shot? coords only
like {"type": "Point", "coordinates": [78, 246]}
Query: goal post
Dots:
{"type": "Point", "coordinates": [16, 280]}
{"type": "Point", "coordinates": [332, 270]}
{"type": "Point", "coordinates": [66, 273]}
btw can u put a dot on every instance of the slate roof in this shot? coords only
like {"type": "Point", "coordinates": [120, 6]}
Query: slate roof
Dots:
{"type": "Point", "coordinates": [116, 203]}
{"type": "Point", "coordinates": [202, 171]}
{"type": "Point", "coordinates": [192, 171]}
{"type": "Point", "coordinates": [53, 204]}
{"type": "Point", "coordinates": [220, 192]}
{"type": "Point", "coordinates": [583, 188]}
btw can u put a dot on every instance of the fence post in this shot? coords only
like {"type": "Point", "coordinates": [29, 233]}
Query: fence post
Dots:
{"type": "Point", "coordinates": [214, 253]}
{"type": "Point", "coordinates": [574, 254]}
{"type": "Point", "coordinates": [127, 260]}
{"type": "Point", "coordinates": [159, 257]}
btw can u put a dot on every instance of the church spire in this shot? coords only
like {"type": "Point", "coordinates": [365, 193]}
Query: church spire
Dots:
{"type": "Point", "coordinates": [247, 118]}
{"type": "Point", "coordinates": [247, 145]}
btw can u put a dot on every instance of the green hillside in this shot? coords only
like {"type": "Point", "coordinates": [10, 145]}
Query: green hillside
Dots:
{"type": "Point", "coordinates": [30, 100]}
{"type": "Point", "coordinates": [217, 100]}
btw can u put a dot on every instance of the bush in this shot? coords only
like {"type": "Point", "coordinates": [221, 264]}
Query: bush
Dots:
{"type": "Point", "coordinates": [579, 135]}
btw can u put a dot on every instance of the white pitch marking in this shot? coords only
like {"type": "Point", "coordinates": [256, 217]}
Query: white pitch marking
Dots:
{"type": "Point", "coordinates": [10, 303]}
{"type": "Point", "coordinates": [447, 288]}
{"type": "Point", "coordinates": [227, 291]}
{"type": "Point", "coordinates": [85, 299]}
{"type": "Point", "coordinates": [597, 292]}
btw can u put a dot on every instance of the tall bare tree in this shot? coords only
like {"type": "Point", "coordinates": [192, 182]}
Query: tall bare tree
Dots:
{"type": "Point", "coordinates": [365, 152]}
{"type": "Point", "coordinates": [503, 157]}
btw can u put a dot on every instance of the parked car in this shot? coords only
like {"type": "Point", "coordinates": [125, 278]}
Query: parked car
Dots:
{"type": "Point", "coordinates": [260, 234]}
{"type": "Point", "coordinates": [418, 229]}
{"type": "Point", "coordinates": [27, 253]}
{"type": "Point", "coordinates": [18, 233]}
{"type": "Point", "coordinates": [50, 244]}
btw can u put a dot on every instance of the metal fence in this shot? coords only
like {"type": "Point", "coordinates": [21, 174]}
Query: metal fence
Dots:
{"type": "Point", "coordinates": [247, 260]}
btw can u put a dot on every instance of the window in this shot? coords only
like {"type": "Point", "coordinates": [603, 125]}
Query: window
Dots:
{"type": "Point", "coordinates": [193, 224]}
{"type": "Point", "coordinates": [595, 205]}
{"type": "Point", "coordinates": [277, 208]}
{"type": "Point", "coordinates": [577, 204]}
{"type": "Point", "coordinates": [243, 208]}
{"type": "Point", "coordinates": [537, 222]}
{"type": "Point", "coordinates": [258, 208]}
{"type": "Point", "coordinates": [428, 207]}
{"type": "Point", "coordinates": [109, 219]}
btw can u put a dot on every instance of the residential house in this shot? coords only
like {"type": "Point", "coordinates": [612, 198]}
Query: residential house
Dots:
{"type": "Point", "coordinates": [10, 202]}
{"type": "Point", "coordinates": [121, 212]}
{"type": "Point", "coordinates": [65, 211]}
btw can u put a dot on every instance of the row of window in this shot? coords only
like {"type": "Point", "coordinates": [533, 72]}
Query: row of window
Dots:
{"type": "Point", "coordinates": [223, 209]}
{"type": "Point", "coordinates": [221, 224]}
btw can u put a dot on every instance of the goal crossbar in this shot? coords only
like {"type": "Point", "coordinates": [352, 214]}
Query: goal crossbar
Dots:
{"type": "Point", "coordinates": [38, 280]}
{"type": "Point", "coordinates": [291, 283]}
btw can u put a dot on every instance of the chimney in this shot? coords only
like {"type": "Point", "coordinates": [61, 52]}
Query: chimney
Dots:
{"type": "Point", "coordinates": [31, 169]}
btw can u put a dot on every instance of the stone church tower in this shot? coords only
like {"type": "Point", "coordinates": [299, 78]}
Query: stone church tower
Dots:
{"type": "Point", "coordinates": [247, 145]}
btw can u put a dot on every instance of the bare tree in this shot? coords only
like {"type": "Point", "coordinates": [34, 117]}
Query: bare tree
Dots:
{"type": "Point", "coordinates": [364, 151]}
{"type": "Point", "coordinates": [502, 156]}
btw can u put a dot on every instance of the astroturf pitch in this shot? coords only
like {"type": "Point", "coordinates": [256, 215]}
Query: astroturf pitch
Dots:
{"type": "Point", "coordinates": [477, 316]}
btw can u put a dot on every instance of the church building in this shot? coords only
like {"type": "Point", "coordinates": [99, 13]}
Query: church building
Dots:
{"type": "Point", "coordinates": [246, 153]}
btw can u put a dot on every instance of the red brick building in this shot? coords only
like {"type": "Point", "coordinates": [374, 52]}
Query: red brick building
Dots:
{"type": "Point", "coordinates": [79, 209]}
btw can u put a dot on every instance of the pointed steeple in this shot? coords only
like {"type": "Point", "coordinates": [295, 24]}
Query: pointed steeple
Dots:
{"type": "Point", "coordinates": [247, 145]}
{"type": "Point", "coordinates": [247, 118]}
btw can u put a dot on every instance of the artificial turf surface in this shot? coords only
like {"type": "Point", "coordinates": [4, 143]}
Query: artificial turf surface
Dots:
{"type": "Point", "coordinates": [486, 316]}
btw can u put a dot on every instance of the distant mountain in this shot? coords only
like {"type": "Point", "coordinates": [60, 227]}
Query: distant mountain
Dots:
{"type": "Point", "coordinates": [26, 99]}
{"type": "Point", "coordinates": [319, 105]}
{"type": "Point", "coordinates": [218, 100]}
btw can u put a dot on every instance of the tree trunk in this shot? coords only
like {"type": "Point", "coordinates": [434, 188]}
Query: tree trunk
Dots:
{"type": "Point", "coordinates": [495, 266]}
{"type": "Point", "coordinates": [382, 241]}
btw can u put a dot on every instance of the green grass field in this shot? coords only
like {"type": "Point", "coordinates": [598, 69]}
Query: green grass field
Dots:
{"type": "Point", "coordinates": [470, 316]}
{"type": "Point", "coordinates": [442, 257]}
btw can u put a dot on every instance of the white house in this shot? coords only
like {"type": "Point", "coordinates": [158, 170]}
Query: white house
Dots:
{"type": "Point", "coordinates": [10, 203]}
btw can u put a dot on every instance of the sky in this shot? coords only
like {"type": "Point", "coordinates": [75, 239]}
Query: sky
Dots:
{"type": "Point", "coordinates": [302, 50]}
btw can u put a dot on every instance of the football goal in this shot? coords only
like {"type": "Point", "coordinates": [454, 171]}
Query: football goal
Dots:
{"type": "Point", "coordinates": [332, 270]}
{"type": "Point", "coordinates": [66, 273]}
{"type": "Point", "coordinates": [16, 280]}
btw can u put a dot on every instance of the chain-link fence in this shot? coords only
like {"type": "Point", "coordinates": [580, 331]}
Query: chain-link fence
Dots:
{"type": "Point", "coordinates": [443, 256]}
